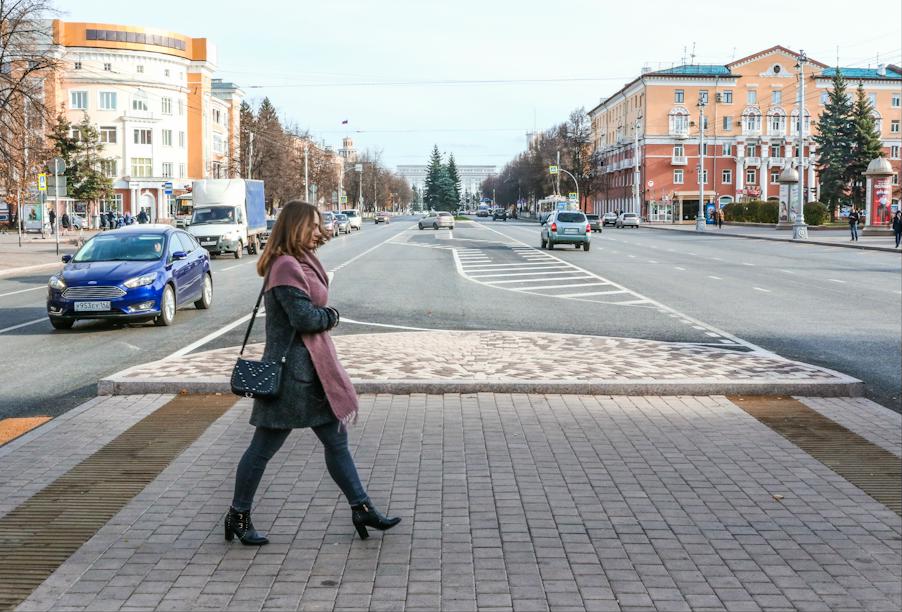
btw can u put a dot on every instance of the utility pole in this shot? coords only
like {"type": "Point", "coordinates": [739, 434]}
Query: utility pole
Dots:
{"type": "Point", "coordinates": [306, 177]}
{"type": "Point", "coordinates": [637, 198]}
{"type": "Point", "coordinates": [375, 190]}
{"type": "Point", "coordinates": [557, 178]}
{"type": "Point", "coordinates": [799, 228]}
{"type": "Point", "coordinates": [24, 177]}
{"type": "Point", "coordinates": [250, 153]}
{"type": "Point", "coordinates": [700, 219]}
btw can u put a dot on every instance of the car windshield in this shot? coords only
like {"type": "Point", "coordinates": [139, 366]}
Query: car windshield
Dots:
{"type": "Point", "coordinates": [327, 217]}
{"type": "Point", "coordinates": [216, 214]}
{"type": "Point", "coordinates": [350, 213]}
{"type": "Point", "coordinates": [270, 223]}
{"type": "Point", "coordinates": [122, 247]}
{"type": "Point", "coordinates": [341, 217]}
{"type": "Point", "coordinates": [444, 214]}
{"type": "Point", "coordinates": [571, 217]}
{"type": "Point", "coordinates": [629, 215]}
{"type": "Point", "coordinates": [592, 217]}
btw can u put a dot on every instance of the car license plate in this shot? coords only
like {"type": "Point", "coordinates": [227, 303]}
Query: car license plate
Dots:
{"type": "Point", "coordinates": [208, 243]}
{"type": "Point", "coordinates": [92, 306]}
{"type": "Point", "coordinates": [571, 230]}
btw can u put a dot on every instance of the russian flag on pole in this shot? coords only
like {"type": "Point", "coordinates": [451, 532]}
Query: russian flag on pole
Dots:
{"type": "Point", "coordinates": [345, 122]}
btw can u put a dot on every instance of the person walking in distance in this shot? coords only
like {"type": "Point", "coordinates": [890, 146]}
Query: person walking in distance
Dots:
{"type": "Point", "coordinates": [853, 224]}
{"type": "Point", "coordinates": [316, 392]}
{"type": "Point", "coordinates": [897, 227]}
{"type": "Point", "coordinates": [718, 215]}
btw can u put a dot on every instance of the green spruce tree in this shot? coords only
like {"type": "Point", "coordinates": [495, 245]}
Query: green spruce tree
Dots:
{"type": "Point", "coordinates": [866, 144]}
{"type": "Point", "coordinates": [834, 143]}
{"type": "Point", "coordinates": [432, 192]}
{"type": "Point", "coordinates": [455, 178]}
{"type": "Point", "coordinates": [80, 147]}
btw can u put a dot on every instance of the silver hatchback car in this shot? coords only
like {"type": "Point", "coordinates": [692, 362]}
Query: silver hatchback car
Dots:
{"type": "Point", "coordinates": [436, 220]}
{"type": "Point", "coordinates": [566, 227]}
{"type": "Point", "coordinates": [627, 219]}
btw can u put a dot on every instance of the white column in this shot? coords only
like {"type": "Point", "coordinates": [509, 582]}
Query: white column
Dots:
{"type": "Point", "coordinates": [813, 188]}
{"type": "Point", "coordinates": [765, 170]}
{"type": "Point", "coordinates": [740, 173]}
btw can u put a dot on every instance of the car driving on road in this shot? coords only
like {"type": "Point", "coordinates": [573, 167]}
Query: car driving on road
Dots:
{"type": "Point", "coordinates": [344, 223]}
{"type": "Point", "coordinates": [330, 227]}
{"type": "Point", "coordinates": [609, 218]}
{"type": "Point", "coordinates": [354, 217]}
{"type": "Point", "coordinates": [382, 217]}
{"type": "Point", "coordinates": [566, 227]}
{"type": "Point", "coordinates": [595, 222]}
{"type": "Point", "coordinates": [437, 220]}
{"type": "Point", "coordinates": [628, 219]}
{"type": "Point", "coordinates": [136, 274]}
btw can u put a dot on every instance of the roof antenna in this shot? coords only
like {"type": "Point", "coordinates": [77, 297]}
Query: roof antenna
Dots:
{"type": "Point", "coordinates": [837, 55]}
{"type": "Point", "coordinates": [683, 59]}
{"type": "Point", "coordinates": [693, 54]}
{"type": "Point", "coordinates": [733, 57]}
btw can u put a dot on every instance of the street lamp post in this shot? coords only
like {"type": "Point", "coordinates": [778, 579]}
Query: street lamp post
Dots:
{"type": "Point", "coordinates": [359, 169]}
{"type": "Point", "coordinates": [575, 182]}
{"type": "Point", "coordinates": [700, 219]}
{"type": "Point", "coordinates": [306, 177]}
{"type": "Point", "coordinates": [637, 198]}
{"type": "Point", "coordinates": [799, 228]}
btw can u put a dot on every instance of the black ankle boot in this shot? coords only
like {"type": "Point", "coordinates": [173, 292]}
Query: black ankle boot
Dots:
{"type": "Point", "coordinates": [365, 515]}
{"type": "Point", "coordinates": [239, 524]}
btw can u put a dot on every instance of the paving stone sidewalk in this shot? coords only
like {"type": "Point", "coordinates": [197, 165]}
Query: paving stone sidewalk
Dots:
{"type": "Point", "coordinates": [443, 361]}
{"type": "Point", "coordinates": [510, 502]}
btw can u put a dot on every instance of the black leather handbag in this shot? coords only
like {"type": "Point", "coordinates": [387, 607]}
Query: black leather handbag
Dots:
{"type": "Point", "coordinates": [257, 379]}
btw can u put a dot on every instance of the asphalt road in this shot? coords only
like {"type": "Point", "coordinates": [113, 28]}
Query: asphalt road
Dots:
{"type": "Point", "coordinates": [838, 308]}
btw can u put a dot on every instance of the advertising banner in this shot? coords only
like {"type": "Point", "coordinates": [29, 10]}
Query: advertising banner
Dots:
{"type": "Point", "coordinates": [881, 198]}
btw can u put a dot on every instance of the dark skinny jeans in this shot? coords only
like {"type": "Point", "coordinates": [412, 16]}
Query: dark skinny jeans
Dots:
{"type": "Point", "coordinates": [267, 442]}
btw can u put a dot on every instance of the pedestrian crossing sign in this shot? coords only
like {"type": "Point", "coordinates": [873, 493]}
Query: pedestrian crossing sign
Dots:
{"type": "Point", "coordinates": [42, 182]}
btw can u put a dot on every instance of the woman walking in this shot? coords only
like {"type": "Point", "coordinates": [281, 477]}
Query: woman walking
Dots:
{"type": "Point", "coordinates": [316, 392]}
{"type": "Point", "coordinates": [897, 227]}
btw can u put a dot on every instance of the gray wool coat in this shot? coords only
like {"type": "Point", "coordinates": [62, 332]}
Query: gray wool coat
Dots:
{"type": "Point", "coordinates": [302, 401]}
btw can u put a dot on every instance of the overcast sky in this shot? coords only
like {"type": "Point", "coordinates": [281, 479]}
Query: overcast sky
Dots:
{"type": "Point", "coordinates": [366, 60]}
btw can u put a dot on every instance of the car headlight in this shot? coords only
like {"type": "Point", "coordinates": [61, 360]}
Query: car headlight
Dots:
{"type": "Point", "coordinates": [57, 282]}
{"type": "Point", "coordinates": [140, 281]}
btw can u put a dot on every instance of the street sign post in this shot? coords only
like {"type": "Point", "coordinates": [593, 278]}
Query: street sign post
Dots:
{"type": "Point", "coordinates": [553, 170]}
{"type": "Point", "coordinates": [42, 182]}
{"type": "Point", "coordinates": [572, 196]}
{"type": "Point", "coordinates": [651, 184]}
{"type": "Point", "coordinates": [57, 167]}
{"type": "Point", "coordinates": [167, 188]}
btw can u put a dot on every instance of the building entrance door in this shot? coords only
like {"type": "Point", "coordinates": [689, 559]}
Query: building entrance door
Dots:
{"type": "Point", "coordinates": [660, 212]}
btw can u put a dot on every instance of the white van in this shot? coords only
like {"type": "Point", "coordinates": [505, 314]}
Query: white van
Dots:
{"type": "Point", "coordinates": [354, 217]}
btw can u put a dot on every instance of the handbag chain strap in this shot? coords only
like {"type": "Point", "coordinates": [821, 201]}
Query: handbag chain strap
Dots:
{"type": "Point", "coordinates": [250, 324]}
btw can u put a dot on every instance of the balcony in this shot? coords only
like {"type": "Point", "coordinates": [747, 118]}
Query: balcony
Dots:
{"type": "Point", "coordinates": [679, 160]}
{"type": "Point", "coordinates": [776, 162]}
{"type": "Point", "coordinates": [751, 130]}
{"type": "Point", "coordinates": [752, 161]}
{"type": "Point", "coordinates": [679, 131]}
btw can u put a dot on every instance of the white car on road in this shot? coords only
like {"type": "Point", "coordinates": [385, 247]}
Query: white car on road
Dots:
{"type": "Point", "coordinates": [436, 220]}
{"type": "Point", "coordinates": [354, 217]}
{"type": "Point", "coordinates": [627, 219]}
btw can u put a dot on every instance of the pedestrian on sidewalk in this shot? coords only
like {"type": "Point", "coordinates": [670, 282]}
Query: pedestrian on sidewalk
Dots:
{"type": "Point", "coordinates": [142, 216]}
{"type": "Point", "coordinates": [853, 223]}
{"type": "Point", "coordinates": [718, 215]}
{"type": "Point", "coordinates": [897, 227]}
{"type": "Point", "coordinates": [52, 221]}
{"type": "Point", "coordinates": [316, 392]}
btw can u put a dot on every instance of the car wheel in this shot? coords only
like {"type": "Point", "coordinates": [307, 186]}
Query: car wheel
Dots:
{"type": "Point", "coordinates": [239, 252]}
{"type": "Point", "coordinates": [167, 308]}
{"type": "Point", "coordinates": [61, 323]}
{"type": "Point", "coordinates": [435, 226]}
{"type": "Point", "coordinates": [206, 297]}
{"type": "Point", "coordinates": [577, 245]}
{"type": "Point", "coordinates": [550, 245]}
{"type": "Point", "coordinates": [585, 246]}
{"type": "Point", "coordinates": [420, 225]}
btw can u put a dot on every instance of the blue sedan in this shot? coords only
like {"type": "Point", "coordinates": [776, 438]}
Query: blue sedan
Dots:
{"type": "Point", "coordinates": [137, 273]}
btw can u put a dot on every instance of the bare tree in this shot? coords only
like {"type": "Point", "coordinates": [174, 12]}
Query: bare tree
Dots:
{"type": "Point", "coordinates": [27, 62]}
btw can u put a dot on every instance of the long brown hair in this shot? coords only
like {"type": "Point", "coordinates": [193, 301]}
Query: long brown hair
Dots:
{"type": "Point", "coordinates": [291, 233]}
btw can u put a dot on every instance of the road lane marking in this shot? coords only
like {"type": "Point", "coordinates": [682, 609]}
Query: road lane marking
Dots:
{"type": "Point", "coordinates": [760, 289]}
{"type": "Point", "coordinates": [540, 287]}
{"type": "Point", "coordinates": [832, 280]}
{"type": "Point", "coordinates": [355, 322]}
{"type": "Point", "coordinates": [679, 268]}
{"type": "Point", "coordinates": [535, 280]}
{"type": "Point", "coordinates": [505, 265]}
{"type": "Point", "coordinates": [571, 295]}
{"type": "Point", "coordinates": [539, 267]}
{"type": "Point", "coordinates": [652, 261]}
{"type": "Point", "coordinates": [714, 277]}
{"type": "Point", "coordinates": [745, 263]}
{"type": "Point", "coordinates": [787, 271]}
{"type": "Point", "coordinates": [23, 325]}
{"type": "Point", "coordinates": [23, 291]}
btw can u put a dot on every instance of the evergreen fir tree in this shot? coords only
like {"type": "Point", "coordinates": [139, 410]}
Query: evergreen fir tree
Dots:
{"type": "Point", "coordinates": [834, 143]}
{"type": "Point", "coordinates": [455, 177]}
{"type": "Point", "coordinates": [90, 184]}
{"type": "Point", "coordinates": [866, 144]}
{"type": "Point", "coordinates": [433, 188]}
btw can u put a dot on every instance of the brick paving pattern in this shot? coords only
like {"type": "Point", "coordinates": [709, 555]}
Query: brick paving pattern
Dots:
{"type": "Point", "coordinates": [510, 502]}
{"type": "Point", "coordinates": [871, 421]}
{"type": "Point", "coordinates": [518, 356]}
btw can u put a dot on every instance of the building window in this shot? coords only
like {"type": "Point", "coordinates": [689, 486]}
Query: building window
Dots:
{"type": "Point", "coordinates": [727, 150]}
{"type": "Point", "coordinates": [726, 177]}
{"type": "Point", "coordinates": [143, 136]}
{"type": "Point", "coordinates": [182, 140]}
{"type": "Point", "coordinates": [167, 170]}
{"type": "Point", "coordinates": [751, 150]}
{"type": "Point", "coordinates": [108, 67]}
{"type": "Point", "coordinates": [216, 116]}
{"type": "Point", "coordinates": [113, 204]}
{"type": "Point", "coordinates": [727, 96]}
{"type": "Point", "coordinates": [678, 150]}
{"type": "Point", "coordinates": [108, 134]}
{"type": "Point", "coordinates": [775, 151]}
{"type": "Point", "coordinates": [217, 144]}
{"type": "Point", "coordinates": [108, 100]}
{"type": "Point", "coordinates": [894, 126]}
{"type": "Point", "coordinates": [166, 72]}
{"type": "Point", "coordinates": [78, 65]}
{"type": "Point", "coordinates": [78, 100]}
{"type": "Point", "coordinates": [139, 103]}
{"type": "Point", "coordinates": [894, 151]}
{"type": "Point", "coordinates": [704, 176]}
{"type": "Point", "coordinates": [705, 148]}
{"type": "Point", "coordinates": [167, 106]}
{"type": "Point", "coordinates": [75, 134]}
{"type": "Point", "coordinates": [776, 97]}
{"type": "Point", "coordinates": [141, 167]}
{"type": "Point", "coordinates": [167, 138]}
{"type": "Point", "coordinates": [703, 96]}
{"type": "Point", "coordinates": [181, 171]}
{"type": "Point", "coordinates": [896, 101]}
{"type": "Point", "coordinates": [751, 176]}
{"type": "Point", "coordinates": [679, 96]}
{"type": "Point", "coordinates": [728, 123]}
{"type": "Point", "coordinates": [824, 98]}
{"type": "Point", "coordinates": [872, 98]}
{"type": "Point", "coordinates": [895, 179]}
{"type": "Point", "coordinates": [751, 96]}
{"type": "Point", "coordinates": [140, 69]}
{"type": "Point", "coordinates": [751, 121]}
{"type": "Point", "coordinates": [677, 177]}
{"type": "Point", "coordinates": [774, 175]}
{"type": "Point", "coordinates": [181, 107]}
{"type": "Point", "coordinates": [108, 168]}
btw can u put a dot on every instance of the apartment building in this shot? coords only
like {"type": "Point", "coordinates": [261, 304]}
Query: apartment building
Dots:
{"type": "Point", "coordinates": [750, 121]}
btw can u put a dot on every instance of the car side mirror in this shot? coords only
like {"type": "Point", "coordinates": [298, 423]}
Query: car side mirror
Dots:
{"type": "Point", "coordinates": [179, 255]}
{"type": "Point", "coordinates": [67, 258]}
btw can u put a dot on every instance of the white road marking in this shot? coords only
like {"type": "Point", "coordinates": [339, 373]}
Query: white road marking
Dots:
{"type": "Point", "coordinates": [715, 277]}
{"type": "Point", "coordinates": [745, 263]}
{"type": "Point", "coordinates": [717, 259]}
{"type": "Point", "coordinates": [23, 325]}
{"type": "Point", "coordinates": [679, 268]}
{"type": "Point", "coordinates": [23, 291]}
{"type": "Point", "coordinates": [652, 261]}
{"type": "Point", "coordinates": [540, 287]}
{"type": "Point", "coordinates": [760, 289]}
{"type": "Point", "coordinates": [787, 271]}
{"type": "Point", "coordinates": [571, 295]}
{"type": "Point", "coordinates": [632, 256]}
{"type": "Point", "coordinates": [355, 322]}
{"type": "Point", "coordinates": [501, 265]}
{"type": "Point", "coordinates": [712, 334]}
{"type": "Point", "coordinates": [537, 280]}
{"type": "Point", "coordinates": [229, 268]}
{"type": "Point", "coordinates": [832, 280]}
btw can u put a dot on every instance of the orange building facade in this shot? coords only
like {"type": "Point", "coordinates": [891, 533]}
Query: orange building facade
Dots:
{"type": "Point", "coordinates": [162, 117]}
{"type": "Point", "coordinates": [751, 120]}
